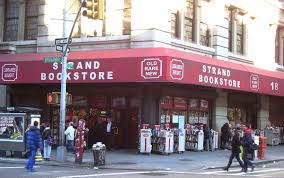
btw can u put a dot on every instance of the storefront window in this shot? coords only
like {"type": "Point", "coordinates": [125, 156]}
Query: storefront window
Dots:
{"type": "Point", "coordinates": [198, 111]}
{"type": "Point", "coordinates": [11, 128]}
{"type": "Point", "coordinates": [239, 116]}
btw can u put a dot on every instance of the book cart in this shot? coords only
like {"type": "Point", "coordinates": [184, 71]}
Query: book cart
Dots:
{"type": "Point", "coordinates": [162, 140]}
{"type": "Point", "coordinates": [171, 130]}
{"type": "Point", "coordinates": [197, 117]}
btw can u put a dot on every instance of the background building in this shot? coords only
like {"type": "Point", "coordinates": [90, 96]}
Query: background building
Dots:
{"type": "Point", "coordinates": [212, 60]}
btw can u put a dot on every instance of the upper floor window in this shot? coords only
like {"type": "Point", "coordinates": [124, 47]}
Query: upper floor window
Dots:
{"type": "Point", "coordinates": [188, 25]}
{"type": "Point", "coordinates": [31, 20]}
{"type": "Point", "coordinates": [127, 18]}
{"type": "Point", "coordinates": [189, 15]}
{"type": "Point", "coordinates": [11, 20]}
{"type": "Point", "coordinates": [237, 30]}
{"type": "Point", "coordinates": [21, 20]}
{"type": "Point", "coordinates": [175, 24]}
{"type": "Point", "coordinates": [279, 45]}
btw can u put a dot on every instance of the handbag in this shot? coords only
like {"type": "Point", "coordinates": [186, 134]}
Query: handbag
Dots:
{"type": "Point", "coordinates": [49, 140]}
{"type": "Point", "coordinates": [254, 146]}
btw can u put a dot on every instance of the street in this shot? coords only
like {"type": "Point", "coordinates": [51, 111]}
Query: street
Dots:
{"type": "Point", "coordinates": [12, 170]}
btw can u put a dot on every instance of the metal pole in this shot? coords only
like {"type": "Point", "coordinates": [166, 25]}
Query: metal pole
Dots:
{"type": "Point", "coordinates": [61, 153]}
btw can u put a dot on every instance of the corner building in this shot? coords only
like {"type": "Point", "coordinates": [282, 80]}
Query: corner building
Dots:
{"type": "Point", "coordinates": [211, 61]}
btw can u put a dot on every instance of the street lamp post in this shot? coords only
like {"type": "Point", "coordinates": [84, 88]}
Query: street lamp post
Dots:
{"type": "Point", "coordinates": [61, 154]}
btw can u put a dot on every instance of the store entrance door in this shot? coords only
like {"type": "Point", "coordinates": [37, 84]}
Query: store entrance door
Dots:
{"type": "Point", "coordinates": [126, 121]}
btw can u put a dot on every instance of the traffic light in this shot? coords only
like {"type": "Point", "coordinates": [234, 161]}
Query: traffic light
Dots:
{"type": "Point", "coordinates": [94, 9]}
{"type": "Point", "coordinates": [54, 98]}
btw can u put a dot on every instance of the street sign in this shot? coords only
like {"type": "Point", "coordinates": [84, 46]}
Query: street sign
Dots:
{"type": "Point", "coordinates": [51, 59]}
{"type": "Point", "coordinates": [70, 65]}
{"type": "Point", "coordinates": [61, 41]}
{"type": "Point", "coordinates": [60, 48]}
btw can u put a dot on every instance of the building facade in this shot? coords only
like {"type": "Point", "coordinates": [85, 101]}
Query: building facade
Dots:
{"type": "Point", "coordinates": [148, 61]}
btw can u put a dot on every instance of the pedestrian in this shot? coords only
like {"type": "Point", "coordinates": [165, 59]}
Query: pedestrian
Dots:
{"type": "Point", "coordinates": [206, 131]}
{"type": "Point", "coordinates": [34, 142]}
{"type": "Point", "coordinates": [70, 134]}
{"type": "Point", "coordinates": [225, 136]}
{"type": "Point", "coordinates": [47, 142]}
{"type": "Point", "coordinates": [235, 152]}
{"type": "Point", "coordinates": [247, 142]}
{"type": "Point", "coordinates": [109, 134]}
{"type": "Point", "coordinates": [41, 128]}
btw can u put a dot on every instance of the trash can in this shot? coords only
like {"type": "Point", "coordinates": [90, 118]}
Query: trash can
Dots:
{"type": "Point", "coordinates": [99, 153]}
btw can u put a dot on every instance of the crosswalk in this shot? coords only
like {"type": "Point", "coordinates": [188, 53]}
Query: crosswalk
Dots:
{"type": "Point", "coordinates": [235, 172]}
{"type": "Point", "coordinates": [263, 172]}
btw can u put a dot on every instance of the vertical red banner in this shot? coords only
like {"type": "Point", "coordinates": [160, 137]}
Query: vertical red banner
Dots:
{"type": "Point", "coordinates": [79, 144]}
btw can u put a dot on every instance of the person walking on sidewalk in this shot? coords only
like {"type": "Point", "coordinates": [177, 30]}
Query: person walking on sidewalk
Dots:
{"type": "Point", "coordinates": [235, 152]}
{"type": "Point", "coordinates": [34, 142]}
{"type": "Point", "coordinates": [247, 142]}
{"type": "Point", "coordinates": [47, 142]}
{"type": "Point", "coordinates": [225, 136]}
{"type": "Point", "coordinates": [70, 134]}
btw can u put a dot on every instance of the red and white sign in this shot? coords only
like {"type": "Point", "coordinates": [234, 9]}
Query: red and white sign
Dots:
{"type": "Point", "coordinates": [151, 68]}
{"type": "Point", "coordinates": [141, 65]}
{"type": "Point", "coordinates": [176, 69]}
{"type": "Point", "coordinates": [254, 82]}
{"type": "Point", "coordinates": [9, 72]}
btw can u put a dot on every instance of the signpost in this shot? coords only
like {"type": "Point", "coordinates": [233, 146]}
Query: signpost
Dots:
{"type": "Point", "coordinates": [60, 155]}
{"type": "Point", "coordinates": [51, 59]}
{"type": "Point", "coordinates": [61, 43]}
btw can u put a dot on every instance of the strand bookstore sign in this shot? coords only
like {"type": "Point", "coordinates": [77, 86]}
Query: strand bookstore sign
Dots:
{"type": "Point", "coordinates": [141, 65]}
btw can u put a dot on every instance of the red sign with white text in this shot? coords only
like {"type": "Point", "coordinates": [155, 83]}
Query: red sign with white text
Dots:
{"type": "Point", "coordinates": [151, 68]}
{"type": "Point", "coordinates": [141, 65]}
{"type": "Point", "coordinates": [9, 72]}
{"type": "Point", "coordinates": [176, 69]}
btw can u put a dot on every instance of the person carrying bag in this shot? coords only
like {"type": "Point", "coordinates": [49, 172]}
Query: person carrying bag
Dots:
{"type": "Point", "coordinates": [48, 142]}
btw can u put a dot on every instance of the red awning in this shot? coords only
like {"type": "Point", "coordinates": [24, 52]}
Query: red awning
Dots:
{"type": "Point", "coordinates": [140, 65]}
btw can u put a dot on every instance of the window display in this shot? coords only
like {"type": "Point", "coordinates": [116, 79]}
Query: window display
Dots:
{"type": "Point", "coordinates": [11, 128]}
{"type": "Point", "coordinates": [198, 111]}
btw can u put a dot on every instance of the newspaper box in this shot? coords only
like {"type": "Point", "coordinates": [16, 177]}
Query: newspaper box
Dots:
{"type": "Point", "coordinates": [13, 123]}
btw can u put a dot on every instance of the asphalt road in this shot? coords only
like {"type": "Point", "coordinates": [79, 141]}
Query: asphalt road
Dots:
{"type": "Point", "coordinates": [11, 170]}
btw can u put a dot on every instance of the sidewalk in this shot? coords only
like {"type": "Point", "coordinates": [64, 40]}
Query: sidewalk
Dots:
{"type": "Point", "coordinates": [130, 160]}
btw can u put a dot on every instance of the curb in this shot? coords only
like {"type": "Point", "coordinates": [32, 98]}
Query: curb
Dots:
{"type": "Point", "coordinates": [50, 163]}
{"type": "Point", "coordinates": [255, 163]}
{"type": "Point", "coordinates": [107, 167]}
{"type": "Point", "coordinates": [83, 165]}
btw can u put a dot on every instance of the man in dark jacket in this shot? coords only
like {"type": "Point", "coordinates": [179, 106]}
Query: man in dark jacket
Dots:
{"type": "Point", "coordinates": [34, 142]}
{"type": "Point", "coordinates": [225, 136]}
{"type": "Point", "coordinates": [247, 142]}
{"type": "Point", "coordinates": [235, 151]}
{"type": "Point", "coordinates": [206, 131]}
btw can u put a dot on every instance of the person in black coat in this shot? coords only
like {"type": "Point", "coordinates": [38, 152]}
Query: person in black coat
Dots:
{"type": "Point", "coordinates": [235, 151]}
{"type": "Point", "coordinates": [34, 142]}
{"type": "Point", "coordinates": [206, 131]}
{"type": "Point", "coordinates": [225, 136]}
{"type": "Point", "coordinates": [247, 141]}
